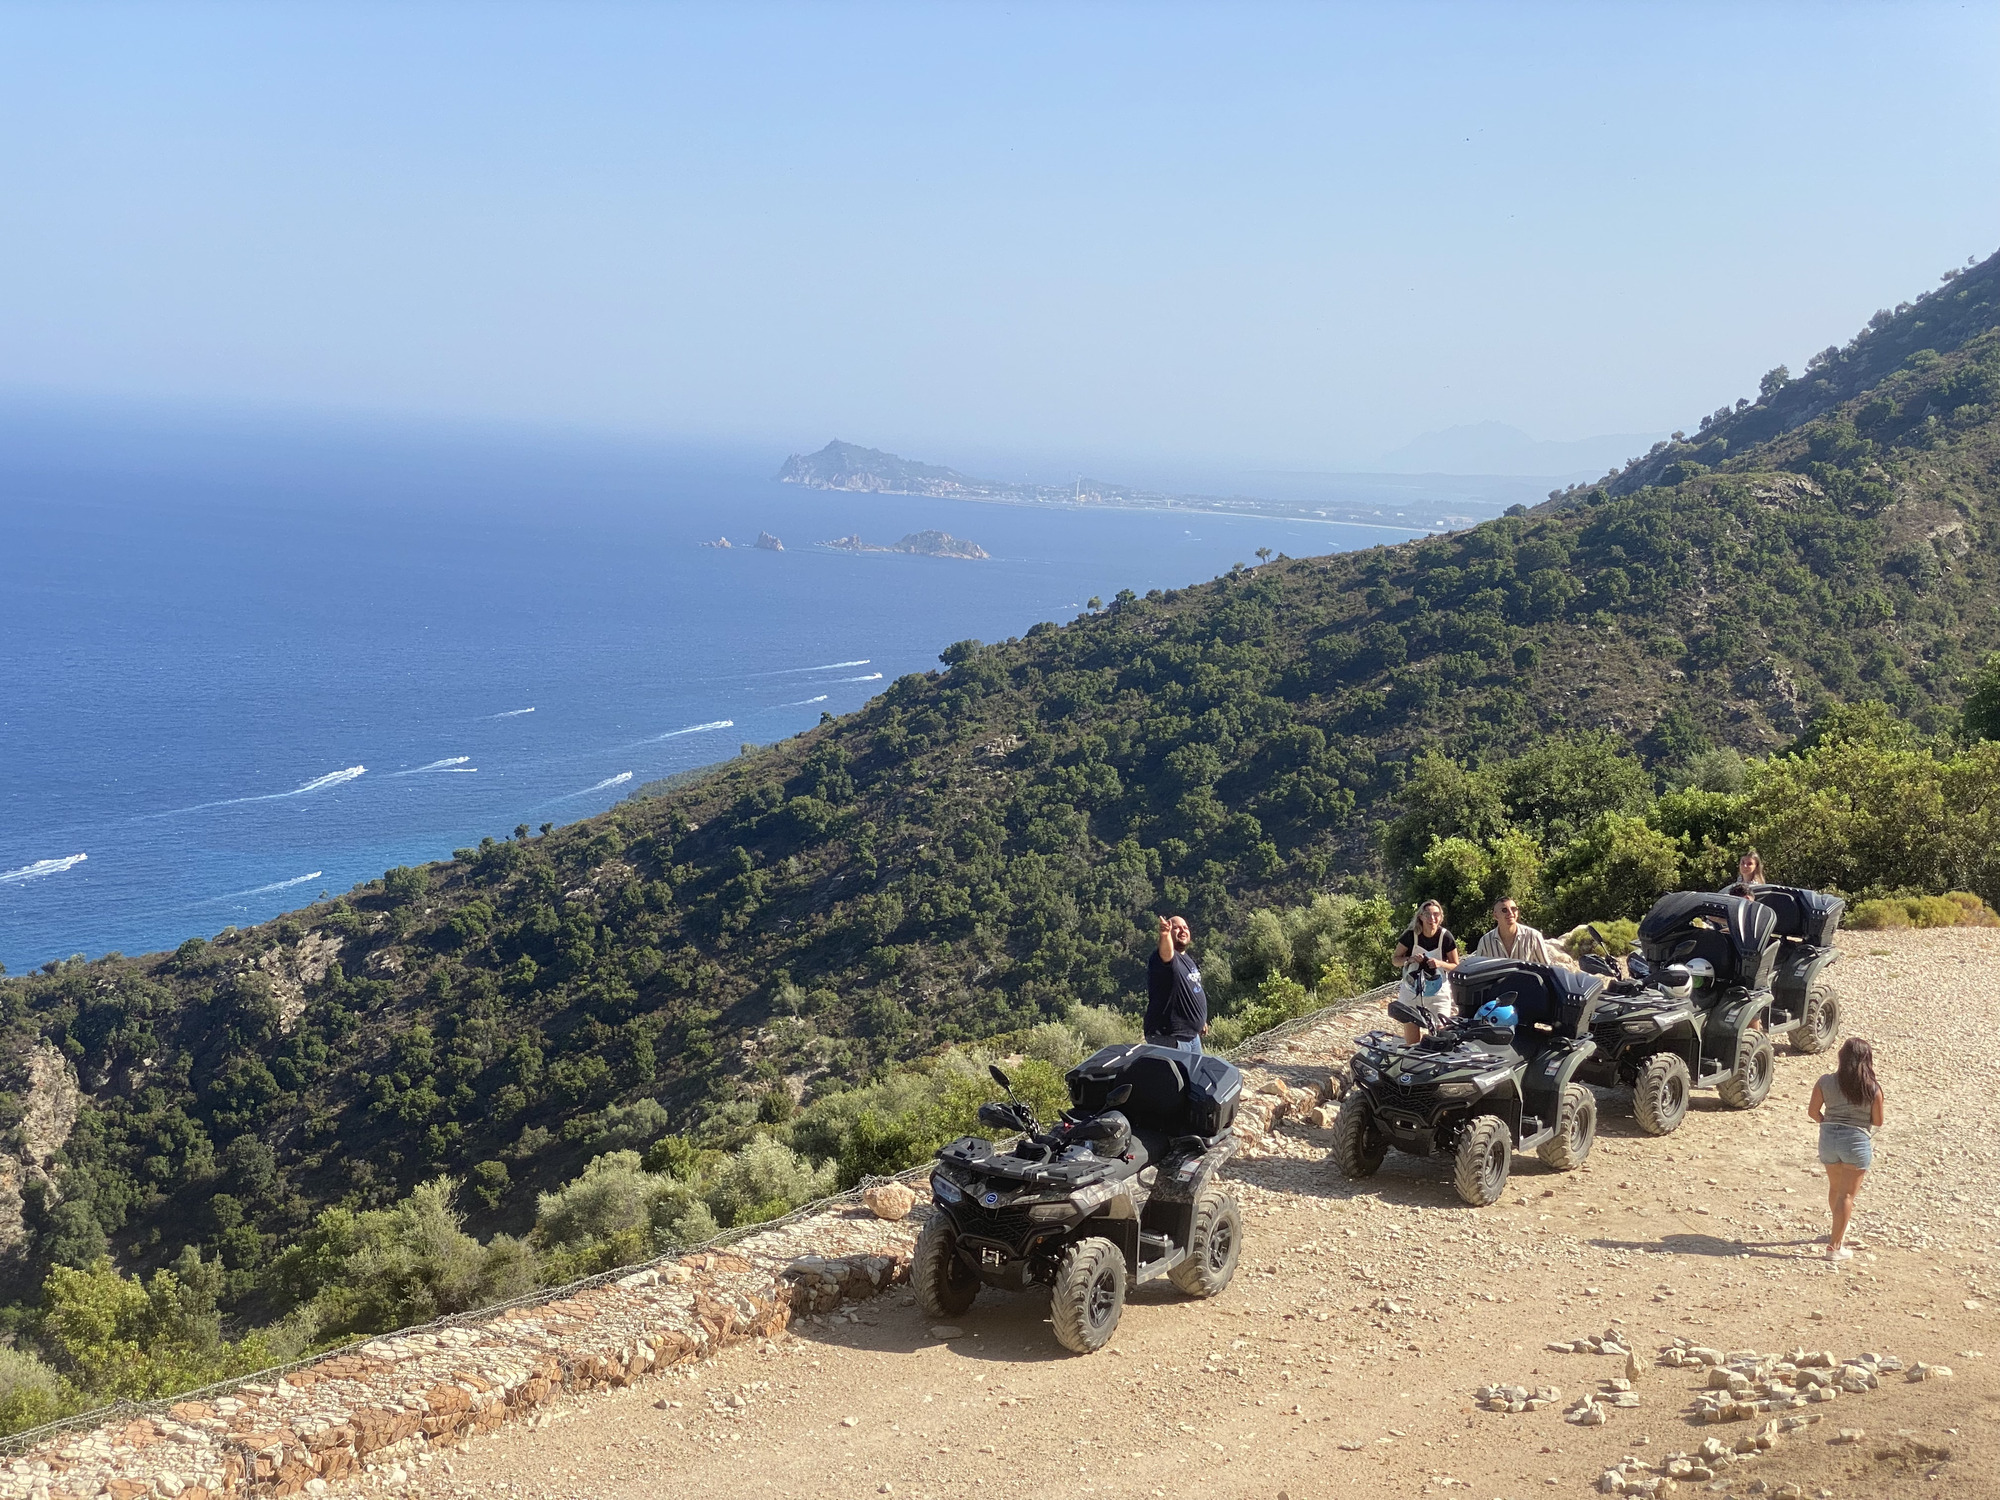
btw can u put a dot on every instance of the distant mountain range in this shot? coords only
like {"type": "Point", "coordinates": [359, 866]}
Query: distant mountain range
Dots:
{"type": "Point", "coordinates": [1496, 448]}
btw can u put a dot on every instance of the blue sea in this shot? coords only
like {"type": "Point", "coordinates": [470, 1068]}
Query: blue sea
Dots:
{"type": "Point", "coordinates": [247, 664]}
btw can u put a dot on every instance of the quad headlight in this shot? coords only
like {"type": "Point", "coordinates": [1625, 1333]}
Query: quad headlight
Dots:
{"type": "Point", "coordinates": [1457, 1088]}
{"type": "Point", "coordinates": [1365, 1072]}
{"type": "Point", "coordinates": [944, 1189]}
{"type": "Point", "coordinates": [1043, 1213]}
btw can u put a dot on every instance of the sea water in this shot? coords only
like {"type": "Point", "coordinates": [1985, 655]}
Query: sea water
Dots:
{"type": "Point", "coordinates": [243, 669]}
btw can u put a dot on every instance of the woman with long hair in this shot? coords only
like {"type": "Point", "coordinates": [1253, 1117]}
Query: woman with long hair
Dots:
{"type": "Point", "coordinates": [1749, 872]}
{"type": "Point", "coordinates": [1425, 953]}
{"type": "Point", "coordinates": [1847, 1107]}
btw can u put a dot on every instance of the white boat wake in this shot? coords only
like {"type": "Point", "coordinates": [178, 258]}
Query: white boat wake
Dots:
{"type": "Point", "coordinates": [40, 868]}
{"type": "Point", "coordinates": [449, 763]}
{"type": "Point", "coordinates": [317, 784]}
{"type": "Point", "coordinates": [276, 885]}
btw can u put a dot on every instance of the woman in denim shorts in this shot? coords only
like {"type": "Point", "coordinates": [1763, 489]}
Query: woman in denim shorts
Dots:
{"type": "Point", "coordinates": [1847, 1106]}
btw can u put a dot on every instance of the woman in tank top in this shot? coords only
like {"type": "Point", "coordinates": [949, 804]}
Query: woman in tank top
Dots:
{"type": "Point", "coordinates": [1847, 1105]}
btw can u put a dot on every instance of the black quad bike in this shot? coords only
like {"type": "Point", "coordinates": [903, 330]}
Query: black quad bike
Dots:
{"type": "Point", "coordinates": [1119, 1190]}
{"type": "Point", "coordinates": [1697, 1011]}
{"type": "Point", "coordinates": [1476, 1090]}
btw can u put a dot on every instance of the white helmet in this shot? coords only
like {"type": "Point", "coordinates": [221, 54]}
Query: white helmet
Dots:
{"type": "Point", "coordinates": [1701, 971]}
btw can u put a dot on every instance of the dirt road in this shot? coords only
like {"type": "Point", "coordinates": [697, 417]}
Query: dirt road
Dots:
{"type": "Point", "coordinates": [1344, 1357]}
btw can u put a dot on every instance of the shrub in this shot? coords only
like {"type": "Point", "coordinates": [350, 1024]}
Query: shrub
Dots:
{"type": "Point", "coordinates": [1619, 868]}
{"type": "Point", "coordinates": [388, 1268]}
{"type": "Point", "coordinates": [1618, 933]}
{"type": "Point", "coordinates": [1954, 909]}
{"type": "Point", "coordinates": [763, 1180]}
{"type": "Point", "coordinates": [30, 1393]}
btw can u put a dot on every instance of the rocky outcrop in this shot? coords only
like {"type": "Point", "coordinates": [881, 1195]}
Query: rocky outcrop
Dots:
{"type": "Point", "coordinates": [50, 1099]}
{"type": "Point", "coordinates": [294, 969]}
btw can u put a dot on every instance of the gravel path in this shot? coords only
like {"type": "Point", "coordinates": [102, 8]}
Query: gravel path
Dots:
{"type": "Point", "coordinates": [1344, 1358]}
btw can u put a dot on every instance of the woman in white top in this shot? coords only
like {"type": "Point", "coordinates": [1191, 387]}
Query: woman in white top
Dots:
{"type": "Point", "coordinates": [1847, 1107]}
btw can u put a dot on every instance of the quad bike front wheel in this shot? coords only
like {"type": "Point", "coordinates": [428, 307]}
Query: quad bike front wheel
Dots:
{"type": "Point", "coordinates": [1088, 1297]}
{"type": "Point", "coordinates": [1213, 1246]}
{"type": "Point", "coordinates": [1819, 1027]}
{"type": "Point", "coordinates": [1358, 1147]}
{"type": "Point", "coordinates": [1484, 1158]}
{"type": "Point", "coordinates": [1660, 1094]}
{"type": "Point", "coordinates": [1750, 1080]}
{"type": "Point", "coordinates": [1576, 1130]}
{"type": "Point", "coordinates": [945, 1285]}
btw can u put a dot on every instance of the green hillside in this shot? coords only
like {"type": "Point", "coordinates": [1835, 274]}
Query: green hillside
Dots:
{"type": "Point", "coordinates": [983, 848]}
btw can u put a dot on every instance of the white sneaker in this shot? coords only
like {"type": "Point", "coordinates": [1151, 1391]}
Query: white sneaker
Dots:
{"type": "Point", "coordinates": [1843, 1253]}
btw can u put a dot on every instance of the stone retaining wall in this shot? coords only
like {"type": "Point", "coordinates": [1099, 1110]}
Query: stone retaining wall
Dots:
{"type": "Point", "coordinates": [370, 1409]}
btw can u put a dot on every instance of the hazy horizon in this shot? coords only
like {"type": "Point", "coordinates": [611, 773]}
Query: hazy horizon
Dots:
{"type": "Point", "coordinates": [1101, 238]}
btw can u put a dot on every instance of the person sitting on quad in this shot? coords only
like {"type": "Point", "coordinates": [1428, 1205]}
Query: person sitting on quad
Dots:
{"type": "Point", "coordinates": [1426, 952]}
{"type": "Point", "coordinates": [1176, 1008]}
{"type": "Point", "coordinates": [1513, 938]}
{"type": "Point", "coordinates": [1749, 873]}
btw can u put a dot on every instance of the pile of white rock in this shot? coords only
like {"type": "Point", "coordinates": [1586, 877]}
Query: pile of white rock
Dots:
{"type": "Point", "coordinates": [1516, 1398]}
{"type": "Point", "coordinates": [1744, 1384]}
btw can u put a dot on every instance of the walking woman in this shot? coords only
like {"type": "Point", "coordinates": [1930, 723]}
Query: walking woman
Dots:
{"type": "Point", "coordinates": [1847, 1106]}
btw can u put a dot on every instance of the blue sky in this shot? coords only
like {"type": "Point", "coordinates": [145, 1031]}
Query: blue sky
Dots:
{"type": "Point", "coordinates": [1259, 234]}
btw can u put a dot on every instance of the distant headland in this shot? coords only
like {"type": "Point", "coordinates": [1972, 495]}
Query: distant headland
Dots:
{"type": "Point", "coordinates": [847, 466]}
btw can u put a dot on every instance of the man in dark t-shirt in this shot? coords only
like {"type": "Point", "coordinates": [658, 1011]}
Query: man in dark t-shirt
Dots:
{"type": "Point", "coordinates": [1176, 1009]}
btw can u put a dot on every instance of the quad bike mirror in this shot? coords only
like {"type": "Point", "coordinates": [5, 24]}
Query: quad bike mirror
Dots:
{"type": "Point", "coordinates": [1000, 1077]}
{"type": "Point", "coordinates": [1118, 1096]}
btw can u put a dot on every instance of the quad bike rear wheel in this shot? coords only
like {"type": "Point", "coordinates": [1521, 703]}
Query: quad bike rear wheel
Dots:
{"type": "Point", "coordinates": [1088, 1297]}
{"type": "Point", "coordinates": [1660, 1094]}
{"type": "Point", "coordinates": [945, 1285]}
{"type": "Point", "coordinates": [1213, 1246]}
{"type": "Point", "coordinates": [1576, 1130]}
{"type": "Point", "coordinates": [1358, 1147]}
{"type": "Point", "coordinates": [1819, 1027]}
{"type": "Point", "coordinates": [1485, 1156]}
{"type": "Point", "coordinates": [1750, 1080]}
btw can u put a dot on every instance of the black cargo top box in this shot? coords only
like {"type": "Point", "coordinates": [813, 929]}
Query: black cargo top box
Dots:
{"type": "Point", "coordinates": [1738, 937]}
{"type": "Point", "coordinates": [1810, 916]}
{"type": "Point", "coordinates": [1559, 999]}
{"type": "Point", "coordinates": [1173, 1092]}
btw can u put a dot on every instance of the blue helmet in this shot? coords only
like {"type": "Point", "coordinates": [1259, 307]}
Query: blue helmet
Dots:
{"type": "Point", "coordinates": [1496, 1013]}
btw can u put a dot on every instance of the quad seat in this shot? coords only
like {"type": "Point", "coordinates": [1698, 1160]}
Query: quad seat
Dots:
{"type": "Point", "coordinates": [1550, 1004]}
{"type": "Point", "coordinates": [1737, 936]}
{"type": "Point", "coordinates": [1174, 1093]}
{"type": "Point", "coordinates": [1803, 916]}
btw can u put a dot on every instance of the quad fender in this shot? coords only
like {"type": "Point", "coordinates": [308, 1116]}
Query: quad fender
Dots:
{"type": "Point", "coordinates": [1726, 1024]}
{"type": "Point", "coordinates": [1547, 1076]}
{"type": "Point", "coordinates": [1170, 1207]}
{"type": "Point", "coordinates": [1798, 969]}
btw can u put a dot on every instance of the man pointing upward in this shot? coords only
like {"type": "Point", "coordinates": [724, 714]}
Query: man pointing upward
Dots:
{"type": "Point", "coordinates": [1176, 1009]}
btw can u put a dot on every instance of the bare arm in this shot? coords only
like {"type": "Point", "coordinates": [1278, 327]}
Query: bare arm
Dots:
{"type": "Point", "coordinates": [1401, 957]}
{"type": "Point", "coordinates": [1877, 1116]}
{"type": "Point", "coordinates": [1166, 940]}
{"type": "Point", "coordinates": [1816, 1106]}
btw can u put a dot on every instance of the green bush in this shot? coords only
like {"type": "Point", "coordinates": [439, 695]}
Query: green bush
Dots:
{"type": "Point", "coordinates": [30, 1392]}
{"type": "Point", "coordinates": [763, 1180]}
{"type": "Point", "coordinates": [1954, 909]}
{"type": "Point", "coordinates": [1618, 868]}
{"type": "Point", "coordinates": [387, 1268]}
